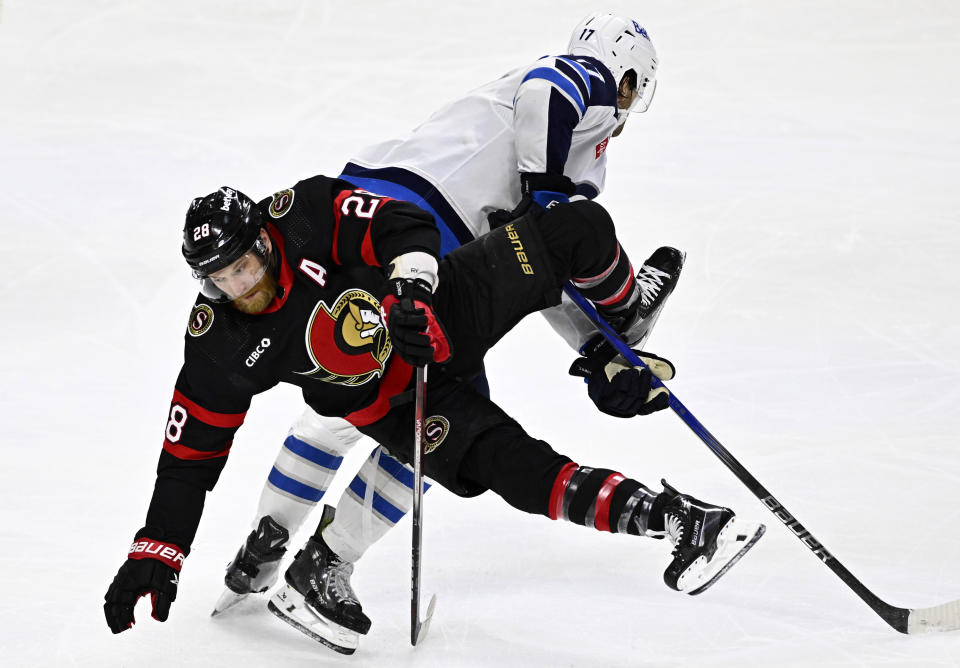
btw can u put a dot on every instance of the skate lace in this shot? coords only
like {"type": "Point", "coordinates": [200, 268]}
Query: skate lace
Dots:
{"type": "Point", "coordinates": [340, 582]}
{"type": "Point", "coordinates": [650, 280]}
{"type": "Point", "coordinates": [674, 528]}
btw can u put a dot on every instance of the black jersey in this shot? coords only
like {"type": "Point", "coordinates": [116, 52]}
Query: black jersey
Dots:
{"type": "Point", "coordinates": [323, 332]}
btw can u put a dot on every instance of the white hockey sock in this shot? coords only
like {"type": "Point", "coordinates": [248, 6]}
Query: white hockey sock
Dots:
{"type": "Point", "coordinates": [377, 498]}
{"type": "Point", "coordinates": [304, 468]}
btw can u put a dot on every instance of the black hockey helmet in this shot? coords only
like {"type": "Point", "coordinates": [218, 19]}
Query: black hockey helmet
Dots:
{"type": "Point", "coordinates": [219, 229]}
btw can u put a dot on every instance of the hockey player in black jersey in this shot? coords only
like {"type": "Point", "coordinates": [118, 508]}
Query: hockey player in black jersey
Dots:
{"type": "Point", "coordinates": [338, 291]}
{"type": "Point", "coordinates": [537, 134]}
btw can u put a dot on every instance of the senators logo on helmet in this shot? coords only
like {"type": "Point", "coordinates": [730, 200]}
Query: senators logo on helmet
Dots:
{"type": "Point", "coordinates": [347, 343]}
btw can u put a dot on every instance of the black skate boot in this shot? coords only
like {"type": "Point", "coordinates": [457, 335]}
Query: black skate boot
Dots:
{"type": "Point", "coordinates": [656, 279]}
{"type": "Point", "coordinates": [708, 541]}
{"type": "Point", "coordinates": [318, 599]}
{"type": "Point", "coordinates": [255, 568]}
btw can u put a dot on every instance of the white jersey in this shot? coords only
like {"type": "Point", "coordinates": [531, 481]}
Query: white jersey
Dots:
{"type": "Point", "coordinates": [552, 117]}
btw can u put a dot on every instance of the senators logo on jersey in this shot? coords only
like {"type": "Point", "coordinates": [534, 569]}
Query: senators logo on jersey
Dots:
{"type": "Point", "coordinates": [281, 203]}
{"type": "Point", "coordinates": [435, 430]}
{"type": "Point", "coordinates": [347, 343]}
{"type": "Point", "coordinates": [201, 317]}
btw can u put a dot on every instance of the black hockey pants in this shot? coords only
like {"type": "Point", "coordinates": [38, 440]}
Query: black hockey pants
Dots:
{"type": "Point", "coordinates": [486, 287]}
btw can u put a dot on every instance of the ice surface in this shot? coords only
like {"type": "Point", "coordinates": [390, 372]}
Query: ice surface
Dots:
{"type": "Point", "coordinates": [806, 155]}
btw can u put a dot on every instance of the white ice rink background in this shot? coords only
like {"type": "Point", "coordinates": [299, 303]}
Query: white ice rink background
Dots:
{"type": "Point", "coordinates": [806, 155]}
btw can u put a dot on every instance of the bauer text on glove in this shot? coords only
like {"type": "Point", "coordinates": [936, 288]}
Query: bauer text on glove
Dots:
{"type": "Point", "coordinates": [152, 567]}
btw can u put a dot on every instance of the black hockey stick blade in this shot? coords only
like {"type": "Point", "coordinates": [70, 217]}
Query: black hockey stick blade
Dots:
{"type": "Point", "coordinates": [945, 617]}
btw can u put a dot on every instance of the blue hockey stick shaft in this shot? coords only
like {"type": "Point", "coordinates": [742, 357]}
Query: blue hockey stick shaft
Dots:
{"type": "Point", "coordinates": [688, 418]}
{"type": "Point", "coordinates": [943, 618]}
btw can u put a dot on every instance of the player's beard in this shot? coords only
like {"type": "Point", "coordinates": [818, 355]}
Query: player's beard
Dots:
{"type": "Point", "coordinates": [259, 296]}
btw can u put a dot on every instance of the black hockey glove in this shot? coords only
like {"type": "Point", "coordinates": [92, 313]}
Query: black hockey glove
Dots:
{"type": "Point", "coordinates": [415, 331]}
{"type": "Point", "coordinates": [540, 192]}
{"type": "Point", "coordinates": [501, 217]}
{"type": "Point", "coordinates": [617, 388]}
{"type": "Point", "coordinates": [152, 568]}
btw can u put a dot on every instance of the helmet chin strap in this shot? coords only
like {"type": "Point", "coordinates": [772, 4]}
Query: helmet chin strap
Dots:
{"type": "Point", "coordinates": [642, 102]}
{"type": "Point", "coordinates": [272, 259]}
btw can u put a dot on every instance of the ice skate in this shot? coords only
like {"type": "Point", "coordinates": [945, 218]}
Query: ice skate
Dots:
{"type": "Point", "coordinates": [255, 568]}
{"type": "Point", "coordinates": [656, 279]}
{"type": "Point", "coordinates": [708, 540]}
{"type": "Point", "coordinates": [318, 600]}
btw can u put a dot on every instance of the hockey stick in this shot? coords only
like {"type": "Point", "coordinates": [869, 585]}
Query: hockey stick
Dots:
{"type": "Point", "coordinates": [945, 617]}
{"type": "Point", "coordinates": [418, 628]}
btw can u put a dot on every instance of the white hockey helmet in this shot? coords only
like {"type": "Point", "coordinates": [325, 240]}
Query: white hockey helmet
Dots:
{"type": "Point", "coordinates": [622, 45]}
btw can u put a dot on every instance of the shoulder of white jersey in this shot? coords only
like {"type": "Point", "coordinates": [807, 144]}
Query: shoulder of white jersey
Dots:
{"type": "Point", "coordinates": [582, 80]}
{"type": "Point", "coordinates": [603, 89]}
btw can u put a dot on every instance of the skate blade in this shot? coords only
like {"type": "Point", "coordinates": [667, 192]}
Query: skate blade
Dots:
{"type": "Point", "coordinates": [736, 539]}
{"type": "Point", "coordinates": [288, 604]}
{"type": "Point", "coordinates": [227, 600]}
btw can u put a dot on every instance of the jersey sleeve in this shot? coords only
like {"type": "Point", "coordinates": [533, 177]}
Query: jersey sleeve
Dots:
{"type": "Point", "coordinates": [372, 230]}
{"type": "Point", "coordinates": [204, 414]}
{"type": "Point", "coordinates": [591, 183]}
{"type": "Point", "coordinates": [551, 101]}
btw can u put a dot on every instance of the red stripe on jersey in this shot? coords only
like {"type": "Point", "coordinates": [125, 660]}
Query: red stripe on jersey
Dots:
{"type": "Point", "coordinates": [181, 451]}
{"type": "Point", "coordinates": [394, 381]}
{"type": "Point", "coordinates": [225, 420]}
{"type": "Point", "coordinates": [559, 487]}
{"type": "Point", "coordinates": [337, 203]}
{"type": "Point", "coordinates": [285, 281]}
{"type": "Point", "coordinates": [604, 497]}
{"type": "Point", "coordinates": [366, 248]}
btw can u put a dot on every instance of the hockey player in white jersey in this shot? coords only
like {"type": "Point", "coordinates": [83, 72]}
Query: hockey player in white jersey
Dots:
{"type": "Point", "coordinates": [536, 136]}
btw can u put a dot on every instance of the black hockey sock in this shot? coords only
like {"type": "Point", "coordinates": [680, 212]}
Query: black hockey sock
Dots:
{"type": "Point", "coordinates": [655, 516]}
{"type": "Point", "coordinates": [612, 289]}
{"type": "Point", "coordinates": [605, 500]}
{"type": "Point", "coordinates": [583, 247]}
{"type": "Point", "coordinates": [529, 475]}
